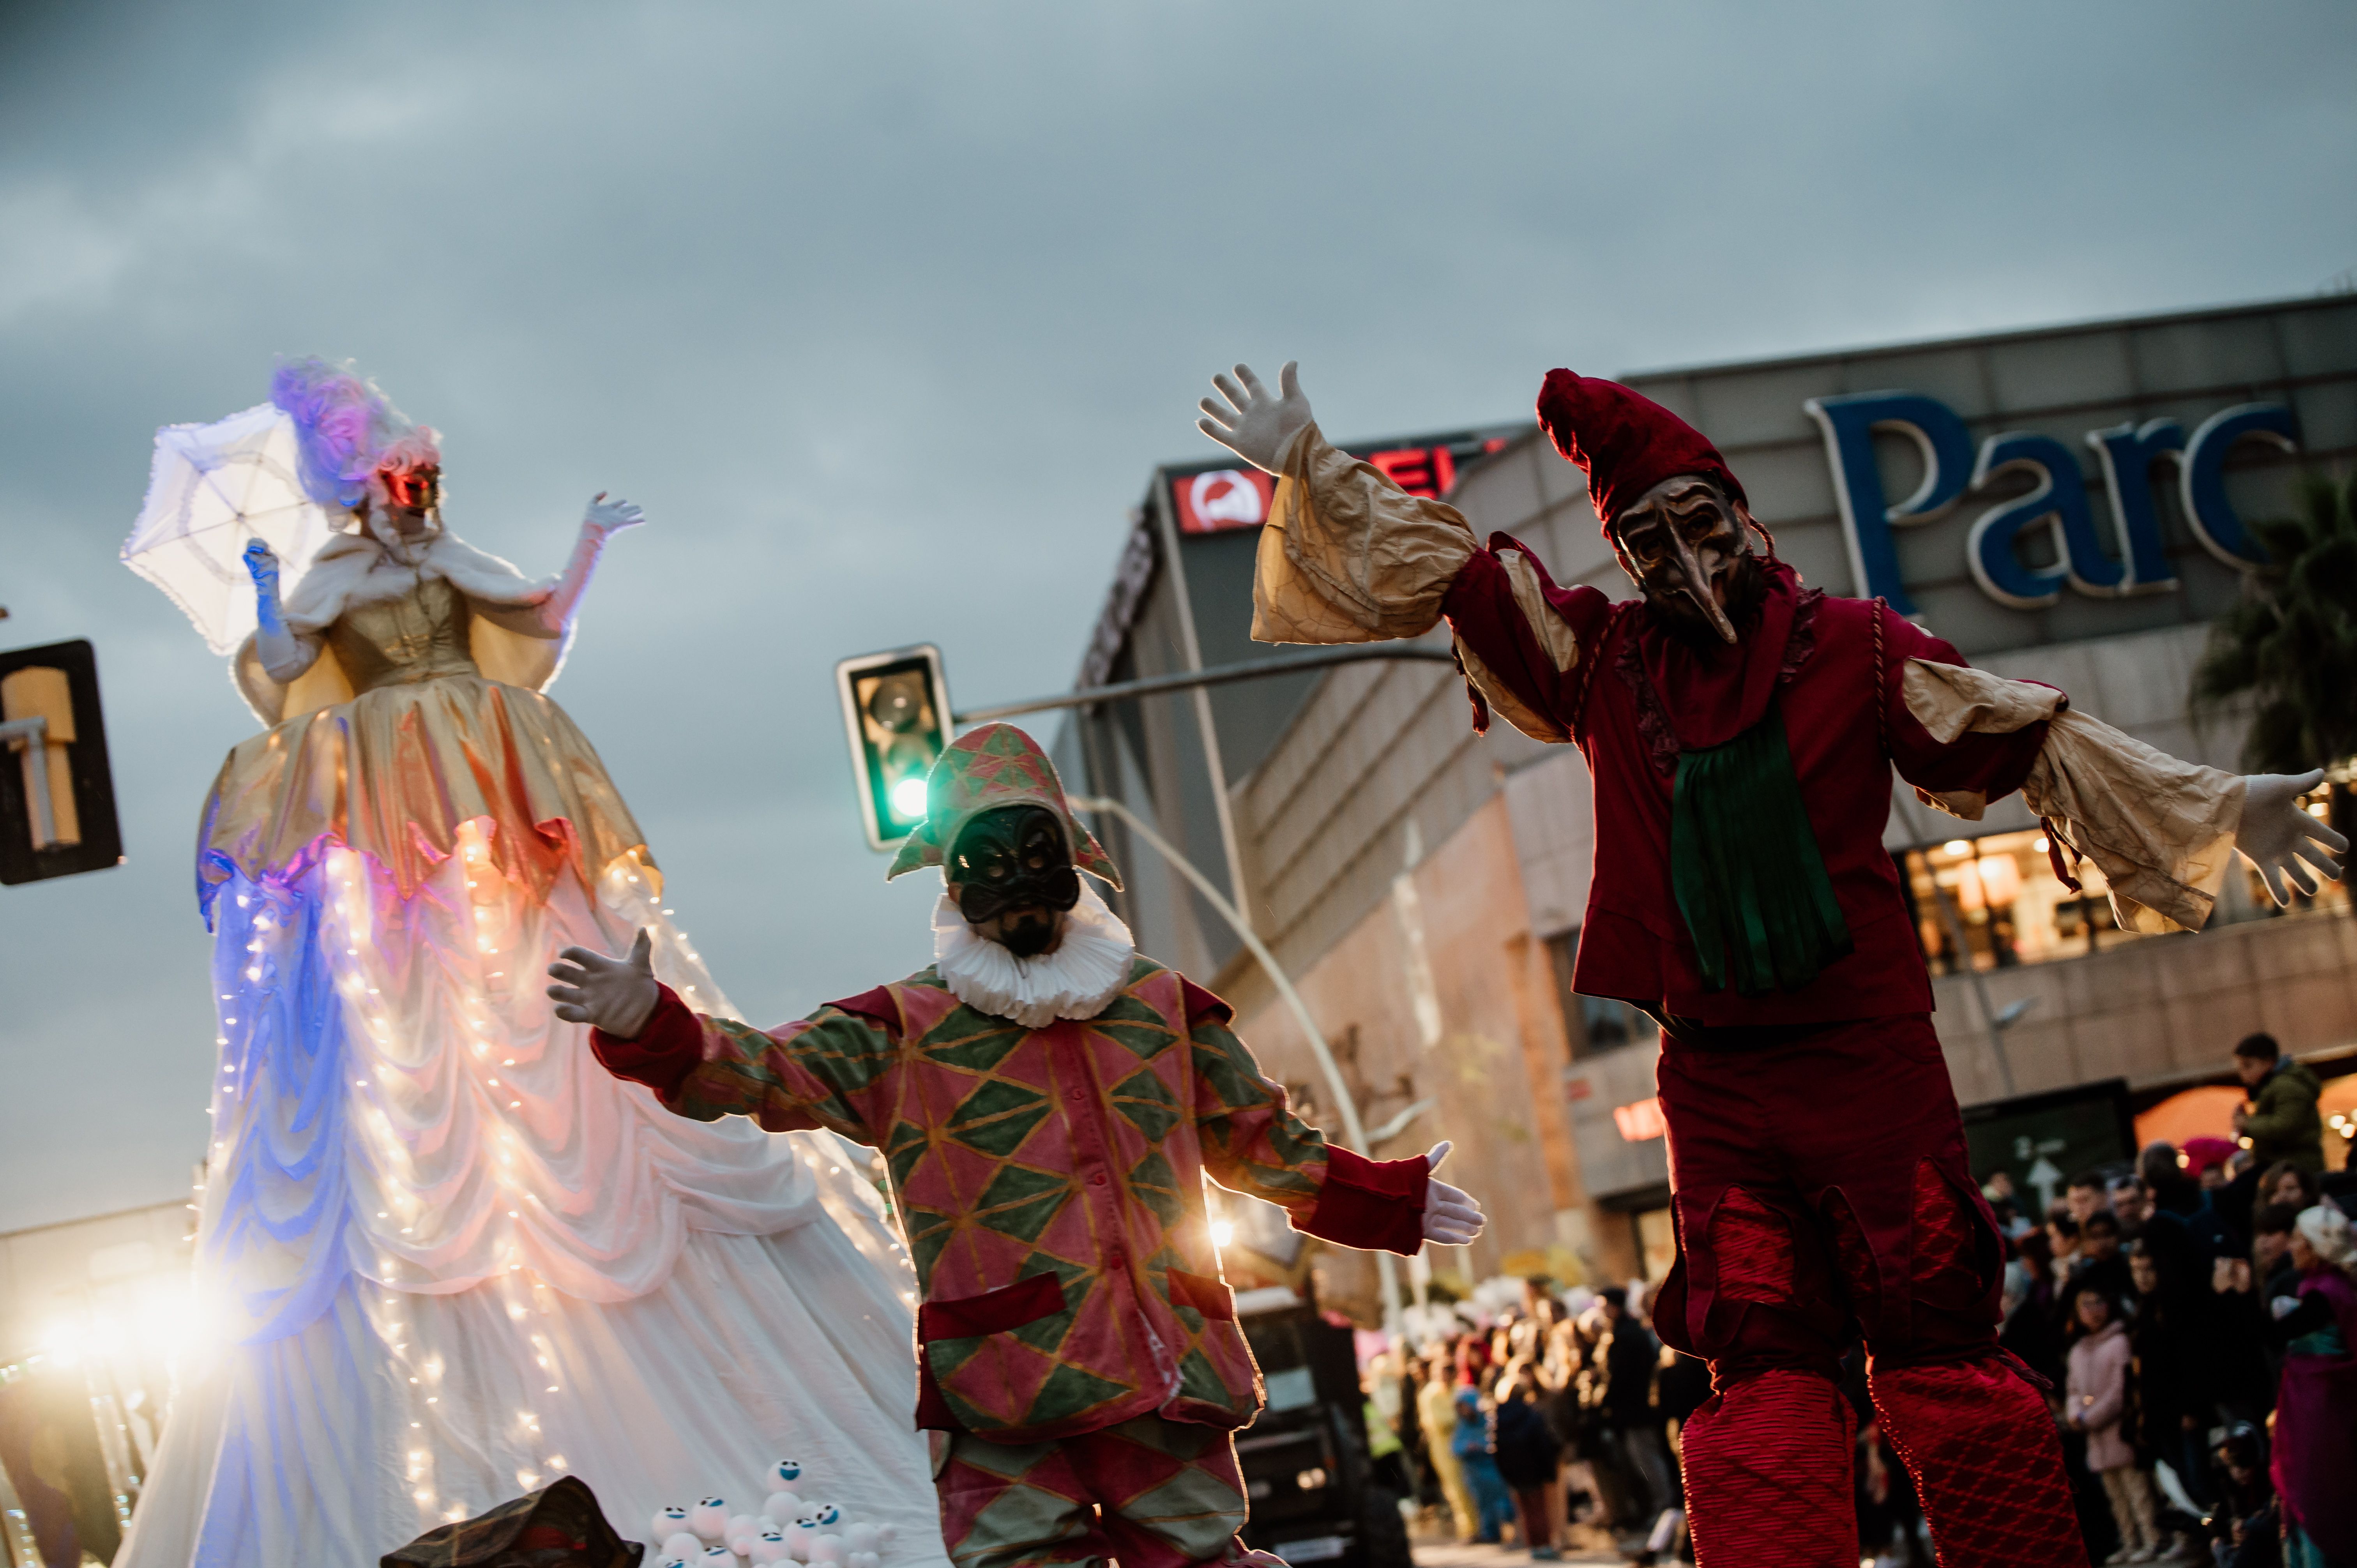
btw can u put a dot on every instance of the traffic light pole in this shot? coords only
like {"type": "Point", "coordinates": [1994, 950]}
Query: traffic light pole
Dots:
{"type": "Point", "coordinates": [1352, 1128]}
{"type": "Point", "coordinates": [1216, 675]}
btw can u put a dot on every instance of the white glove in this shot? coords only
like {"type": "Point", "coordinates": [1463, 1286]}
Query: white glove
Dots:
{"type": "Point", "coordinates": [1252, 424]}
{"type": "Point", "coordinates": [609, 517]}
{"type": "Point", "coordinates": [1451, 1217]}
{"type": "Point", "coordinates": [2283, 1306]}
{"type": "Point", "coordinates": [615, 994]}
{"type": "Point", "coordinates": [2276, 836]}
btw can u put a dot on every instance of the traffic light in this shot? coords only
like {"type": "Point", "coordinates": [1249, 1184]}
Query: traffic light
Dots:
{"type": "Point", "coordinates": [895, 713]}
{"type": "Point", "coordinates": [57, 794]}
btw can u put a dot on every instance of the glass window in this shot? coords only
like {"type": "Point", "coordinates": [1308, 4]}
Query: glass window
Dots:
{"type": "Point", "coordinates": [1657, 1242]}
{"type": "Point", "coordinates": [2002, 891]}
{"type": "Point", "coordinates": [1596, 1023]}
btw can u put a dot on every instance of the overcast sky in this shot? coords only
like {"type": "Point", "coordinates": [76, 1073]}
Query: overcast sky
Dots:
{"type": "Point", "coordinates": [883, 313]}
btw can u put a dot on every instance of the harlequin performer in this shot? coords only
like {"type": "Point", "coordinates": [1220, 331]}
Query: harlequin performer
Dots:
{"type": "Point", "coordinates": [1049, 1102]}
{"type": "Point", "coordinates": [1741, 730]}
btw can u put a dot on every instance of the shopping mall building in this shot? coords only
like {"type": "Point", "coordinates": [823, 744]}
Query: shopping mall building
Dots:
{"type": "Point", "coordinates": [2063, 504]}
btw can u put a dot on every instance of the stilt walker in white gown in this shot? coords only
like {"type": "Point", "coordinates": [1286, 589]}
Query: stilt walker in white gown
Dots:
{"type": "Point", "coordinates": [456, 1258]}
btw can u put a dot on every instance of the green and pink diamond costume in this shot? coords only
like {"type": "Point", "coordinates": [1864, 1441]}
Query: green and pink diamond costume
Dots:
{"type": "Point", "coordinates": [1076, 1339]}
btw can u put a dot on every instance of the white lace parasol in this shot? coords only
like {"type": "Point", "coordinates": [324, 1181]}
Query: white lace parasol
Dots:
{"type": "Point", "coordinates": [214, 487]}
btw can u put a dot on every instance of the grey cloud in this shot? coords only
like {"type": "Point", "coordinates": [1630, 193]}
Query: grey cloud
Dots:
{"type": "Point", "coordinates": [883, 312]}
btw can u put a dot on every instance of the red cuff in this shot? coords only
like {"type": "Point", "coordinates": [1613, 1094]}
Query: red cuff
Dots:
{"type": "Point", "coordinates": [669, 1049]}
{"type": "Point", "coordinates": [1371, 1204]}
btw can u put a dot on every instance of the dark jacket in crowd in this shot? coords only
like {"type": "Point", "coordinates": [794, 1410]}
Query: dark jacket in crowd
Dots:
{"type": "Point", "coordinates": [1685, 1385]}
{"type": "Point", "coordinates": [1525, 1449]}
{"type": "Point", "coordinates": [1630, 1358]}
{"type": "Point", "coordinates": [2283, 1124]}
{"type": "Point", "coordinates": [2035, 1338]}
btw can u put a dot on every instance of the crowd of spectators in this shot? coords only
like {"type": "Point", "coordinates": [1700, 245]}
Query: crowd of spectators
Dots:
{"type": "Point", "coordinates": [1561, 1414]}
{"type": "Point", "coordinates": [2193, 1314]}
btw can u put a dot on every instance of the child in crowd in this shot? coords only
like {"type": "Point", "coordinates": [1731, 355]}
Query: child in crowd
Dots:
{"type": "Point", "coordinates": [1528, 1456]}
{"type": "Point", "coordinates": [1493, 1503]}
{"type": "Point", "coordinates": [2095, 1403]}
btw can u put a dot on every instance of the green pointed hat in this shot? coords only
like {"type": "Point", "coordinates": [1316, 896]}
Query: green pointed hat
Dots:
{"type": "Point", "coordinates": [997, 765]}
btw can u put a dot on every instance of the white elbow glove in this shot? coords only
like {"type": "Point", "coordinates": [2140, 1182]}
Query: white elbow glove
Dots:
{"type": "Point", "coordinates": [2284, 841]}
{"type": "Point", "coordinates": [1252, 423]}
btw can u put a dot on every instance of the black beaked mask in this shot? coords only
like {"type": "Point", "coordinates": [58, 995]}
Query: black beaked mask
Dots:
{"type": "Point", "coordinates": [1011, 857]}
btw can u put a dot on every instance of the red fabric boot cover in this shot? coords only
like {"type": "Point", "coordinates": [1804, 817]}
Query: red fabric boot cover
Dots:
{"type": "Point", "coordinates": [1766, 1466]}
{"type": "Point", "coordinates": [1987, 1461]}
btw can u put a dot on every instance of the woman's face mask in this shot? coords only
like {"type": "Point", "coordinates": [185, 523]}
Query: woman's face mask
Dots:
{"type": "Point", "coordinates": [1011, 875]}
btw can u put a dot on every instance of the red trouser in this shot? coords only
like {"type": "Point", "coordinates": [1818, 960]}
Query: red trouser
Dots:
{"type": "Point", "coordinates": [1821, 1188]}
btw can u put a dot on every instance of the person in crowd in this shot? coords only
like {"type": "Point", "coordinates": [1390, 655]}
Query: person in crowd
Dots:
{"type": "Point", "coordinates": [1527, 1456]}
{"type": "Point", "coordinates": [2086, 1195]}
{"type": "Point", "coordinates": [2170, 1364]}
{"type": "Point", "coordinates": [2245, 1529]}
{"type": "Point", "coordinates": [2209, 1161]}
{"type": "Point", "coordinates": [2033, 1330]}
{"type": "Point", "coordinates": [2180, 1207]}
{"type": "Point", "coordinates": [1414, 1446]}
{"type": "Point", "coordinates": [2235, 1201]}
{"type": "Point", "coordinates": [1631, 1356]}
{"type": "Point", "coordinates": [2295, 1188]}
{"type": "Point", "coordinates": [1889, 1513]}
{"type": "Point", "coordinates": [2010, 1222]}
{"type": "Point", "coordinates": [2095, 1404]}
{"type": "Point", "coordinates": [2249, 1363]}
{"type": "Point", "coordinates": [1385, 1452]}
{"type": "Point", "coordinates": [2062, 1241]}
{"type": "Point", "coordinates": [2280, 1118]}
{"type": "Point", "coordinates": [1436, 1413]}
{"type": "Point", "coordinates": [2316, 1407]}
{"type": "Point", "coordinates": [1494, 1504]}
{"type": "Point", "coordinates": [2099, 1262]}
{"type": "Point", "coordinates": [2130, 1202]}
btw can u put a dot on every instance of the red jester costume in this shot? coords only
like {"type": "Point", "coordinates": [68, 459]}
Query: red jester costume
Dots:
{"type": "Point", "coordinates": [1741, 729]}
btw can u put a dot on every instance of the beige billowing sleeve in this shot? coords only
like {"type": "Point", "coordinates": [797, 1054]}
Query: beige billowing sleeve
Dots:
{"type": "Point", "coordinates": [2162, 830]}
{"type": "Point", "coordinates": [1348, 556]}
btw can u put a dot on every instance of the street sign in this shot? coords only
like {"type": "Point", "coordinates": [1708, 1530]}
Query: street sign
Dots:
{"type": "Point", "coordinates": [896, 715]}
{"type": "Point", "coordinates": [2044, 1140]}
{"type": "Point", "coordinates": [57, 794]}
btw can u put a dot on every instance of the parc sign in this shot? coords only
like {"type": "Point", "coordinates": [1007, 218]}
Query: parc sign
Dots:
{"type": "Point", "coordinates": [2057, 505]}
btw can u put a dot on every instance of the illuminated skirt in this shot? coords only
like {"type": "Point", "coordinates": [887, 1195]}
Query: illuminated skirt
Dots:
{"type": "Point", "coordinates": [446, 1256]}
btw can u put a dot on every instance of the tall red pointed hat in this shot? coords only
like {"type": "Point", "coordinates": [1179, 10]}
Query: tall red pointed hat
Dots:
{"type": "Point", "coordinates": [1624, 441]}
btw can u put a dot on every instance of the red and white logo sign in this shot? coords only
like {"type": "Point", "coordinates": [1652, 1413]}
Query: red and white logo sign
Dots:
{"type": "Point", "coordinates": [1219, 499]}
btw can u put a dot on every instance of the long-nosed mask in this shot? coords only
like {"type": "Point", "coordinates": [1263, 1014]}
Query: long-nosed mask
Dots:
{"type": "Point", "coordinates": [1687, 545]}
{"type": "Point", "coordinates": [1010, 873]}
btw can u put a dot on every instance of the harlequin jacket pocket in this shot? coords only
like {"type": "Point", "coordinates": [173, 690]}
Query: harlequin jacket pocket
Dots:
{"type": "Point", "coordinates": [991, 1312]}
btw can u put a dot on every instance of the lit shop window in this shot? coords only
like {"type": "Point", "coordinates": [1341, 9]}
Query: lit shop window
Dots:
{"type": "Point", "coordinates": [2001, 891]}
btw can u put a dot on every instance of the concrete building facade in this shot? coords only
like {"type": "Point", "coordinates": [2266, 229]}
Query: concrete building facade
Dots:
{"type": "Point", "coordinates": [2063, 504]}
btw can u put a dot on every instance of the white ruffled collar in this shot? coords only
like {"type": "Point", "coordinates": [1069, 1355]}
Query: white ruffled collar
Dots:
{"type": "Point", "coordinates": [1089, 968]}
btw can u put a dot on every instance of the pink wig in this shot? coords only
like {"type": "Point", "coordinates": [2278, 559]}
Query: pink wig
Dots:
{"type": "Point", "coordinates": [346, 430]}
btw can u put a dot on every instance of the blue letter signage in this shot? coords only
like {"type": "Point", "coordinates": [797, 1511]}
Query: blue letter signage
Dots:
{"type": "Point", "coordinates": [2060, 505]}
{"type": "Point", "coordinates": [2060, 501]}
{"type": "Point", "coordinates": [1849, 423]}
{"type": "Point", "coordinates": [2128, 453]}
{"type": "Point", "coordinates": [2203, 478]}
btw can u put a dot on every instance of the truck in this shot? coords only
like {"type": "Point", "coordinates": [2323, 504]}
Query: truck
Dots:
{"type": "Point", "coordinates": [1309, 1480]}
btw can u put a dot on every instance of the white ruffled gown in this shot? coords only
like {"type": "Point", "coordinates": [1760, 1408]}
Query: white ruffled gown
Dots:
{"type": "Point", "coordinates": [452, 1257]}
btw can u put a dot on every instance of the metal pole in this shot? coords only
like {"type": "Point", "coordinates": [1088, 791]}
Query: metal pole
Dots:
{"type": "Point", "coordinates": [1192, 651]}
{"type": "Point", "coordinates": [1352, 1128]}
{"type": "Point", "coordinates": [30, 736]}
{"type": "Point", "coordinates": [1216, 675]}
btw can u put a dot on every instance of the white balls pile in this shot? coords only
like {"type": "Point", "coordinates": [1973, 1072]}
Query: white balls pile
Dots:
{"type": "Point", "coordinates": [787, 1530]}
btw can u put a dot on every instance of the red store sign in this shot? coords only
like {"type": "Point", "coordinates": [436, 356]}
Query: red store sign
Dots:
{"type": "Point", "coordinates": [1214, 499]}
